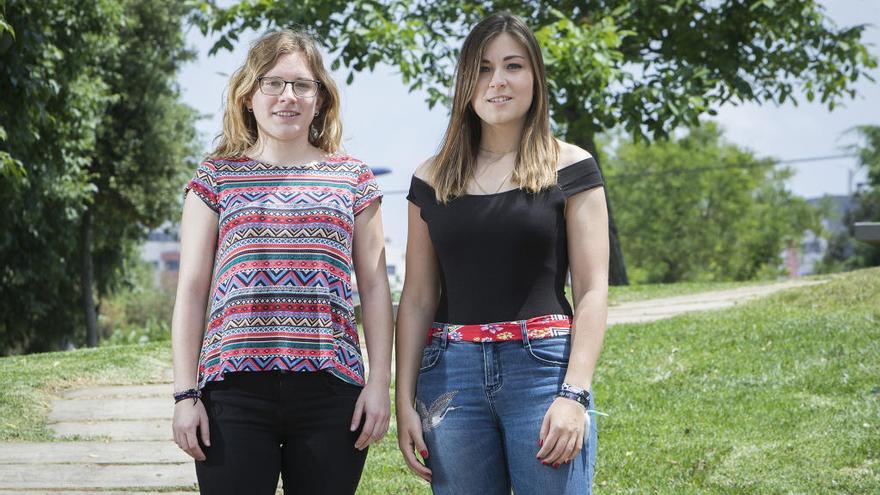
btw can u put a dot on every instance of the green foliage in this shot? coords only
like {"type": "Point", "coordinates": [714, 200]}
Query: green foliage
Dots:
{"type": "Point", "coordinates": [696, 208]}
{"type": "Point", "coordinates": [650, 66]}
{"type": "Point", "coordinates": [844, 251]}
{"type": "Point", "coordinates": [137, 311]}
{"type": "Point", "coordinates": [89, 119]}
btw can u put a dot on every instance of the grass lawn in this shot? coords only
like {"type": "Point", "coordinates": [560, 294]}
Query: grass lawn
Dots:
{"type": "Point", "coordinates": [780, 395]}
{"type": "Point", "coordinates": [27, 383]}
{"type": "Point", "coordinates": [776, 396]}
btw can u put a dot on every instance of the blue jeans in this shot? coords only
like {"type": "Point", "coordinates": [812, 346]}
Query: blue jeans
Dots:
{"type": "Point", "coordinates": [482, 405]}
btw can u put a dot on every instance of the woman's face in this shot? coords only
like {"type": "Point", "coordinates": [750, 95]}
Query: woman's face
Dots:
{"type": "Point", "coordinates": [504, 88]}
{"type": "Point", "coordinates": [285, 117]}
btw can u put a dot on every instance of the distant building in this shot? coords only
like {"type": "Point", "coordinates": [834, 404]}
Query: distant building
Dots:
{"type": "Point", "coordinates": [162, 251]}
{"type": "Point", "coordinates": [801, 259]}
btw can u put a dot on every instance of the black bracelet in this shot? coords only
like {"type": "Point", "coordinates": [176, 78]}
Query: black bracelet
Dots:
{"type": "Point", "coordinates": [188, 394]}
{"type": "Point", "coordinates": [577, 394]}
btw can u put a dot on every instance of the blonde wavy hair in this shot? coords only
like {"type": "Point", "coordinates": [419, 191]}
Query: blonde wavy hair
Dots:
{"type": "Point", "coordinates": [239, 125]}
{"type": "Point", "coordinates": [535, 165]}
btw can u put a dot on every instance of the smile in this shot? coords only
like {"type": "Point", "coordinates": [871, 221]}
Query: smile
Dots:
{"type": "Point", "coordinates": [286, 114]}
{"type": "Point", "coordinates": [499, 99]}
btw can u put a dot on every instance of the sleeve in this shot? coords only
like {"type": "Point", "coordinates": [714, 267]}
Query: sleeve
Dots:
{"type": "Point", "coordinates": [367, 189]}
{"type": "Point", "coordinates": [204, 185]}
{"type": "Point", "coordinates": [415, 195]}
{"type": "Point", "coordinates": [580, 176]}
{"type": "Point", "coordinates": [421, 195]}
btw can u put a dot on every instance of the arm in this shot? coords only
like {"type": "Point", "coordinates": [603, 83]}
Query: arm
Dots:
{"type": "Point", "coordinates": [418, 303]}
{"type": "Point", "coordinates": [586, 219]}
{"type": "Point", "coordinates": [587, 222]}
{"type": "Point", "coordinates": [198, 240]}
{"type": "Point", "coordinates": [368, 254]}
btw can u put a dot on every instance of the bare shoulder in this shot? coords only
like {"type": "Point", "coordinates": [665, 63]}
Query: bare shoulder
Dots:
{"type": "Point", "coordinates": [570, 154]}
{"type": "Point", "coordinates": [423, 171]}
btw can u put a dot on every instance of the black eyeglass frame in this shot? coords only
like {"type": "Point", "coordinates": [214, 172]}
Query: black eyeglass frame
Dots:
{"type": "Point", "coordinates": [318, 85]}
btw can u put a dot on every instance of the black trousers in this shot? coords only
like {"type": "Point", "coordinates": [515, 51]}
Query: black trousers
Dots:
{"type": "Point", "coordinates": [269, 422]}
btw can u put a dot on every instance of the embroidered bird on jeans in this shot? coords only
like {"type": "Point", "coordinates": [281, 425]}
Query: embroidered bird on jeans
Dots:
{"type": "Point", "coordinates": [432, 416]}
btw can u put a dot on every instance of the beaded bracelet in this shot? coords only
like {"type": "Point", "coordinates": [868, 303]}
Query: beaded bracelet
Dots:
{"type": "Point", "coordinates": [188, 394]}
{"type": "Point", "coordinates": [577, 394]}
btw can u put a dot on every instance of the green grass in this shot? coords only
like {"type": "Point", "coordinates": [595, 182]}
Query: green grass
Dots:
{"type": "Point", "coordinates": [780, 395]}
{"type": "Point", "coordinates": [28, 383]}
{"type": "Point", "coordinates": [776, 396]}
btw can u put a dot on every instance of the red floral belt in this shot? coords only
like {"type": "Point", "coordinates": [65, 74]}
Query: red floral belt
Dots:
{"type": "Point", "coordinates": [539, 327]}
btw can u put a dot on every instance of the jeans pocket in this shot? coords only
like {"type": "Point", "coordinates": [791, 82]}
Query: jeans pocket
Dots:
{"type": "Point", "coordinates": [430, 355]}
{"type": "Point", "coordinates": [552, 351]}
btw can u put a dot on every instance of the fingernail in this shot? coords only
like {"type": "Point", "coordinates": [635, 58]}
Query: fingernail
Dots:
{"type": "Point", "coordinates": [424, 454]}
{"type": "Point", "coordinates": [556, 465]}
{"type": "Point", "coordinates": [544, 462]}
{"type": "Point", "coordinates": [540, 442]}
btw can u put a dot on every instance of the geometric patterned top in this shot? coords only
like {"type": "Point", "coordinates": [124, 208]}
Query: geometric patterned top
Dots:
{"type": "Point", "coordinates": [281, 286]}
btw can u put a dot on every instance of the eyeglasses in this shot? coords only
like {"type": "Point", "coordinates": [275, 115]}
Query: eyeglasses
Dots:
{"type": "Point", "coordinates": [302, 88]}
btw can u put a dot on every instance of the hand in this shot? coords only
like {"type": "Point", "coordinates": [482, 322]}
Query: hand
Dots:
{"type": "Point", "coordinates": [374, 402]}
{"type": "Point", "coordinates": [188, 419]}
{"type": "Point", "coordinates": [409, 439]}
{"type": "Point", "coordinates": [562, 432]}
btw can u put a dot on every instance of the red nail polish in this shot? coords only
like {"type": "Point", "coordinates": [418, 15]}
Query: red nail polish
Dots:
{"type": "Point", "coordinates": [556, 465]}
{"type": "Point", "coordinates": [544, 462]}
{"type": "Point", "coordinates": [540, 442]}
{"type": "Point", "coordinates": [424, 454]}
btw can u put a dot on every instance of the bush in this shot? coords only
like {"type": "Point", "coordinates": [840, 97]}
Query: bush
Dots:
{"type": "Point", "coordinates": [138, 312]}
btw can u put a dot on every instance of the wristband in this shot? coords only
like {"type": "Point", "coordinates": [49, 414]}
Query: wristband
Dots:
{"type": "Point", "coordinates": [577, 394]}
{"type": "Point", "coordinates": [188, 394]}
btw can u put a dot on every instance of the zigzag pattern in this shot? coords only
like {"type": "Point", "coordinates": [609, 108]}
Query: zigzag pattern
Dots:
{"type": "Point", "coordinates": [285, 233]}
{"type": "Point", "coordinates": [295, 199]}
{"type": "Point", "coordinates": [287, 278]}
{"type": "Point", "coordinates": [281, 296]}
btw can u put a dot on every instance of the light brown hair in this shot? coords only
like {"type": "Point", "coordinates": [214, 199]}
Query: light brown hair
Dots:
{"type": "Point", "coordinates": [239, 125]}
{"type": "Point", "coordinates": [535, 164]}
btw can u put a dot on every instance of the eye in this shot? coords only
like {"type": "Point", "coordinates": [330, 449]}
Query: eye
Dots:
{"type": "Point", "coordinates": [514, 66]}
{"type": "Point", "coordinates": [484, 69]}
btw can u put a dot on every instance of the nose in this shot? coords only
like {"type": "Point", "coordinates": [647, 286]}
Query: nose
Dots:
{"type": "Point", "coordinates": [498, 80]}
{"type": "Point", "coordinates": [287, 94]}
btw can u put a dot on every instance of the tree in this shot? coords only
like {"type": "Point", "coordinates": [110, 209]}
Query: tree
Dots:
{"type": "Point", "coordinates": [647, 66]}
{"type": "Point", "coordinates": [145, 145]}
{"type": "Point", "coordinates": [68, 71]}
{"type": "Point", "coordinates": [844, 251]}
{"type": "Point", "coordinates": [698, 208]}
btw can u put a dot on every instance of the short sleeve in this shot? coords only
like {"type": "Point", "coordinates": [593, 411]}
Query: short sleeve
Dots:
{"type": "Point", "coordinates": [580, 176]}
{"type": "Point", "coordinates": [421, 195]}
{"type": "Point", "coordinates": [367, 189]}
{"type": "Point", "coordinates": [204, 185]}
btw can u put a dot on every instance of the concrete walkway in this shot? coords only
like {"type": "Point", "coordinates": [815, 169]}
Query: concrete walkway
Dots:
{"type": "Point", "coordinates": [122, 434]}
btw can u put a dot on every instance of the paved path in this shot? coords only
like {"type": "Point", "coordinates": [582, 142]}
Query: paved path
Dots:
{"type": "Point", "coordinates": [124, 432]}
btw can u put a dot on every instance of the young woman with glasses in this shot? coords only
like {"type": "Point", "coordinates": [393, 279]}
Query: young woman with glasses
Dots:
{"type": "Point", "coordinates": [273, 382]}
{"type": "Point", "coordinates": [493, 366]}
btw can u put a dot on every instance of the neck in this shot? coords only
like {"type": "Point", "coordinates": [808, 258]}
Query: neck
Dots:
{"type": "Point", "coordinates": [504, 138]}
{"type": "Point", "coordinates": [284, 152]}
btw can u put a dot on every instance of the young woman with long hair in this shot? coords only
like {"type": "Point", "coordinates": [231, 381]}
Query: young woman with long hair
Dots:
{"type": "Point", "coordinates": [493, 365]}
{"type": "Point", "coordinates": [275, 221]}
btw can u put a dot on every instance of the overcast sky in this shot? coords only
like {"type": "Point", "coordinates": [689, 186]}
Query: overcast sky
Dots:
{"type": "Point", "coordinates": [386, 126]}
